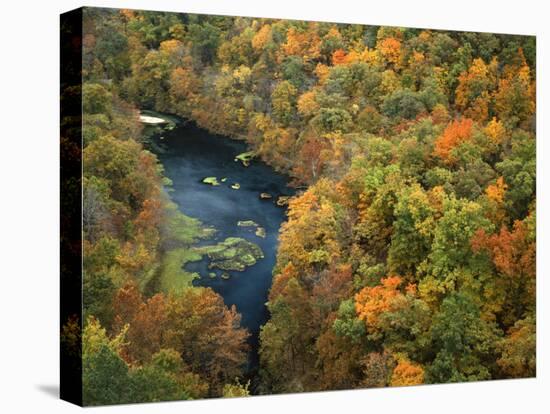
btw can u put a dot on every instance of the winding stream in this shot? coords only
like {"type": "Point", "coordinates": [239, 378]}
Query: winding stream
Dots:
{"type": "Point", "coordinates": [190, 154]}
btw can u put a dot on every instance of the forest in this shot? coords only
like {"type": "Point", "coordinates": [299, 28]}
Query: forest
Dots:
{"type": "Point", "coordinates": [408, 255]}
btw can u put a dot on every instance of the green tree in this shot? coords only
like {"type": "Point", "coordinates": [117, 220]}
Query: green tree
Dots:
{"type": "Point", "coordinates": [158, 380]}
{"type": "Point", "coordinates": [464, 344]}
{"type": "Point", "coordinates": [413, 227]}
{"type": "Point", "coordinates": [403, 103]}
{"type": "Point", "coordinates": [519, 350]}
{"type": "Point", "coordinates": [105, 378]}
{"type": "Point", "coordinates": [519, 171]}
{"type": "Point", "coordinates": [96, 99]}
{"type": "Point", "coordinates": [283, 100]}
{"type": "Point", "coordinates": [205, 39]}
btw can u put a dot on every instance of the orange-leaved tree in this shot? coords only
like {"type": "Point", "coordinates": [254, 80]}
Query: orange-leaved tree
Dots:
{"type": "Point", "coordinates": [456, 132]}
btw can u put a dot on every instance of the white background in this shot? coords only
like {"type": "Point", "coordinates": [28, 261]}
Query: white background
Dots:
{"type": "Point", "coordinates": [29, 166]}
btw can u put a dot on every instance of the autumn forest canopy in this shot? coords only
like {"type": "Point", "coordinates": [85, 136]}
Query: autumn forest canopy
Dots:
{"type": "Point", "coordinates": [408, 252]}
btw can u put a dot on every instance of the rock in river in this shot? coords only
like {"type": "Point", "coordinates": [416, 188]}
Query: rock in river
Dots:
{"type": "Point", "coordinates": [283, 201]}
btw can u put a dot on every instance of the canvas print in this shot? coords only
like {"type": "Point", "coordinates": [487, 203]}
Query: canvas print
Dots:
{"type": "Point", "coordinates": [257, 206]}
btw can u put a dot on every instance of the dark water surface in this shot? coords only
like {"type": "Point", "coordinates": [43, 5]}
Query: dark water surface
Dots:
{"type": "Point", "coordinates": [190, 154]}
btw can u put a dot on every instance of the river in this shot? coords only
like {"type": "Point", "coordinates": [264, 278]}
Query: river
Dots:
{"type": "Point", "coordinates": [189, 154]}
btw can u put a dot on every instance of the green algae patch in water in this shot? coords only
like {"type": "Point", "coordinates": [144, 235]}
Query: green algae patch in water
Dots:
{"type": "Point", "coordinates": [247, 223]}
{"type": "Point", "coordinates": [233, 253]}
{"type": "Point", "coordinates": [211, 180]}
{"type": "Point", "coordinates": [208, 232]}
{"type": "Point", "coordinates": [173, 278]}
{"type": "Point", "coordinates": [245, 157]}
{"type": "Point", "coordinates": [182, 232]}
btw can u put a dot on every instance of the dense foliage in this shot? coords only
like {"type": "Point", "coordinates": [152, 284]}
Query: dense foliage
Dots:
{"type": "Point", "coordinates": [409, 256]}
